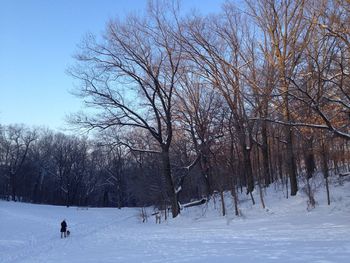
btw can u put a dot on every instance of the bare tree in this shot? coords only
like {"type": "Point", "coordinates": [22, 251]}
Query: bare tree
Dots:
{"type": "Point", "coordinates": [129, 78]}
{"type": "Point", "coordinates": [214, 46]}
{"type": "Point", "coordinates": [322, 85]}
{"type": "Point", "coordinates": [201, 112]}
{"type": "Point", "coordinates": [287, 30]}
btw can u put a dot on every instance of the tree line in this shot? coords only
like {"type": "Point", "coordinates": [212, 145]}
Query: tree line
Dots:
{"type": "Point", "coordinates": [191, 105]}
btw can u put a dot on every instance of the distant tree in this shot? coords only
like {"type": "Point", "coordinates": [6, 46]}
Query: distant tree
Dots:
{"type": "Point", "coordinates": [70, 159]}
{"type": "Point", "coordinates": [41, 158]}
{"type": "Point", "coordinates": [15, 143]}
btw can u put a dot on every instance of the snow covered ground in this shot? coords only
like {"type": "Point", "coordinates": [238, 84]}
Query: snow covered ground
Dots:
{"type": "Point", "coordinates": [284, 232]}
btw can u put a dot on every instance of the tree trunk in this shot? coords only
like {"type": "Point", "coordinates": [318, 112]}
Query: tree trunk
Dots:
{"type": "Point", "coordinates": [119, 192]}
{"type": "Point", "coordinates": [312, 201]}
{"type": "Point", "coordinates": [325, 170]}
{"type": "Point", "coordinates": [105, 198]}
{"type": "Point", "coordinates": [252, 197]}
{"type": "Point", "coordinates": [234, 174]}
{"type": "Point", "coordinates": [259, 178]}
{"type": "Point", "coordinates": [265, 154]}
{"type": "Point", "coordinates": [13, 186]}
{"type": "Point", "coordinates": [37, 195]}
{"type": "Point", "coordinates": [291, 169]}
{"type": "Point", "coordinates": [248, 169]}
{"type": "Point", "coordinates": [171, 193]}
{"type": "Point", "coordinates": [205, 168]}
{"type": "Point", "coordinates": [287, 192]}
{"type": "Point", "coordinates": [223, 203]}
{"type": "Point", "coordinates": [235, 197]}
{"type": "Point", "coordinates": [279, 161]}
{"type": "Point", "coordinates": [309, 158]}
{"type": "Point", "coordinates": [327, 188]}
{"type": "Point", "coordinates": [288, 133]}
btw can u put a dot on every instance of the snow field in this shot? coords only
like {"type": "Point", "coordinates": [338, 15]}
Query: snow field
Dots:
{"type": "Point", "coordinates": [284, 232]}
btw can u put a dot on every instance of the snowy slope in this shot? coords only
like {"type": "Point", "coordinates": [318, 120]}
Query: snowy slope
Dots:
{"type": "Point", "coordinates": [284, 232]}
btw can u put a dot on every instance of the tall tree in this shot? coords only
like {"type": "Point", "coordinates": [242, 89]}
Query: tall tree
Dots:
{"type": "Point", "coordinates": [286, 27]}
{"type": "Point", "coordinates": [129, 78]}
{"type": "Point", "coordinates": [215, 47]}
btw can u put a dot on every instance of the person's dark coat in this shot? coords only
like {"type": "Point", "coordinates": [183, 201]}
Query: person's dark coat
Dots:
{"type": "Point", "coordinates": [63, 226]}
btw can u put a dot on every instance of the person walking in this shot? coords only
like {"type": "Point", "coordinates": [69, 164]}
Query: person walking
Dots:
{"type": "Point", "coordinates": [63, 228]}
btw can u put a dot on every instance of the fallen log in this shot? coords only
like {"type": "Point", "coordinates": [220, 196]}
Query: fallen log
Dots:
{"type": "Point", "coordinates": [344, 174]}
{"type": "Point", "coordinates": [195, 203]}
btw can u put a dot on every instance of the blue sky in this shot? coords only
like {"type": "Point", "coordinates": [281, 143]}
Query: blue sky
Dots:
{"type": "Point", "coordinates": [37, 41]}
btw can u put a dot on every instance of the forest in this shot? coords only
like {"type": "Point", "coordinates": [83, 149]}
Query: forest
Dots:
{"type": "Point", "coordinates": [181, 107]}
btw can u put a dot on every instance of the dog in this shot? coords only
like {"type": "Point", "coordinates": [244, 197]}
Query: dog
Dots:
{"type": "Point", "coordinates": [68, 233]}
